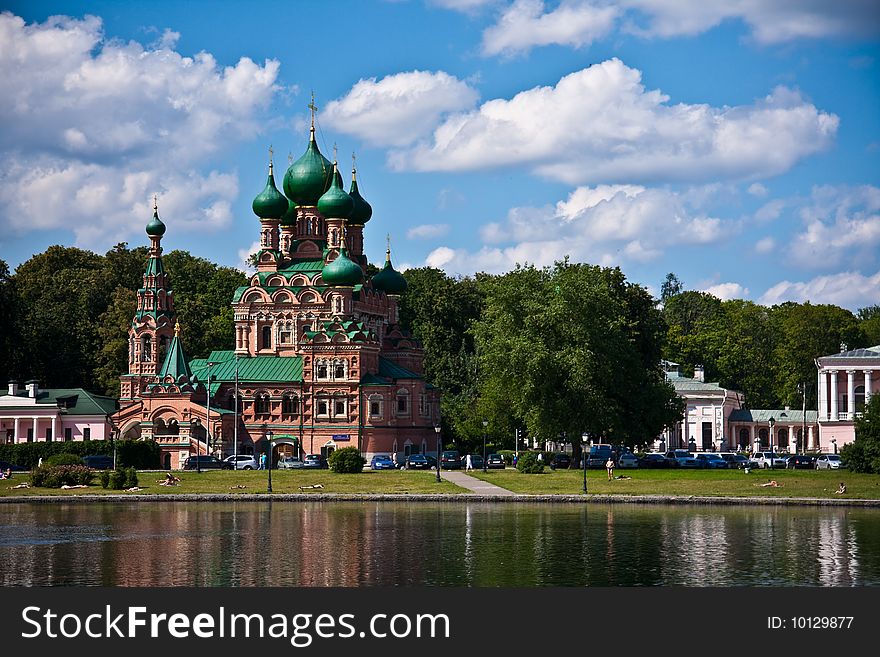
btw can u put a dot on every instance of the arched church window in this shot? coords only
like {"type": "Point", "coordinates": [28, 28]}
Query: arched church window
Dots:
{"type": "Point", "coordinates": [339, 370]}
{"type": "Point", "coordinates": [290, 405]}
{"type": "Point", "coordinates": [147, 350]}
{"type": "Point", "coordinates": [321, 370]}
{"type": "Point", "coordinates": [266, 338]}
{"type": "Point", "coordinates": [402, 402]}
{"type": "Point", "coordinates": [261, 403]}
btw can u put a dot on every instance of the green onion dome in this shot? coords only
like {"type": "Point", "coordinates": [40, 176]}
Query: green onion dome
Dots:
{"type": "Point", "coordinates": [389, 280]}
{"type": "Point", "coordinates": [309, 177]}
{"type": "Point", "coordinates": [362, 210]}
{"type": "Point", "coordinates": [335, 203]}
{"type": "Point", "coordinates": [289, 218]}
{"type": "Point", "coordinates": [270, 203]}
{"type": "Point", "coordinates": [155, 228]}
{"type": "Point", "coordinates": [343, 271]}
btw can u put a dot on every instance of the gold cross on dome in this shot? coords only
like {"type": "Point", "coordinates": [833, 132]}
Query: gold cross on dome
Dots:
{"type": "Point", "coordinates": [313, 108]}
{"type": "Point", "coordinates": [271, 152]}
{"type": "Point", "coordinates": [353, 162]}
{"type": "Point", "coordinates": [155, 201]}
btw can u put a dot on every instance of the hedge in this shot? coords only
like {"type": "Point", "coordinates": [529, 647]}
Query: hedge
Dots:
{"type": "Point", "coordinates": [140, 454]}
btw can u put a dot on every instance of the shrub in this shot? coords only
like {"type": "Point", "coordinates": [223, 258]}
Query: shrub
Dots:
{"type": "Point", "coordinates": [346, 460]}
{"type": "Point", "coordinates": [65, 458]}
{"type": "Point", "coordinates": [116, 480]}
{"type": "Point", "coordinates": [528, 463]}
{"type": "Point", "coordinates": [131, 478]}
{"type": "Point", "coordinates": [507, 455]}
{"type": "Point", "coordinates": [56, 476]}
{"type": "Point", "coordinates": [141, 454]}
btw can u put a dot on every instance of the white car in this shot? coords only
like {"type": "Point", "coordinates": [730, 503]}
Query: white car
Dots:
{"type": "Point", "coordinates": [768, 460]}
{"type": "Point", "coordinates": [828, 462]}
{"type": "Point", "coordinates": [628, 460]}
{"type": "Point", "coordinates": [241, 462]}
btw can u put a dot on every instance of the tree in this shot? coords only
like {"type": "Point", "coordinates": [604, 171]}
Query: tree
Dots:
{"type": "Point", "coordinates": [870, 322]}
{"type": "Point", "coordinates": [863, 455]}
{"type": "Point", "coordinates": [670, 287]}
{"type": "Point", "coordinates": [8, 309]}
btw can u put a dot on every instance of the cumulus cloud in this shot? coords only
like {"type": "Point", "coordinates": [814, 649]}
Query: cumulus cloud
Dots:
{"type": "Point", "coordinates": [244, 256]}
{"type": "Point", "coordinates": [525, 25]}
{"type": "Point", "coordinates": [606, 224]}
{"type": "Point", "coordinates": [93, 127]}
{"type": "Point", "coordinates": [427, 231]}
{"type": "Point", "coordinates": [465, 6]}
{"type": "Point", "coordinates": [600, 124]}
{"type": "Point", "coordinates": [841, 225]}
{"type": "Point", "coordinates": [848, 289]}
{"type": "Point", "coordinates": [757, 189]}
{"type": "Point", "coordinates": [727, 291]}
{"type": "Point", "coordinates": [765, 245]}
{"type": "Point", "coordinates": [398, 109]}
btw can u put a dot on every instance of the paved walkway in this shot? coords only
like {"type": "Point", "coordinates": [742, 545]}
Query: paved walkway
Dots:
{"type": "Point", "coordinates": [474, 485]}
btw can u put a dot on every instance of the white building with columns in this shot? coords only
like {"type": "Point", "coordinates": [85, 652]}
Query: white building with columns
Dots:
{"type": "Point", "coordinates": [846, 381]}
{"type": "Point", "coordinates": [56, 414]}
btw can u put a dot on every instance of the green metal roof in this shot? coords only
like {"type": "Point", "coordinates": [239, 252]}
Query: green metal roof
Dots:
{"type": "Point", "coordinates": [175, 364]}
{"type": "Point", "coordinates": [392, 370]}
{"type": "Point", "coordinates": [684, 384]}
{"type": "Point", "coordinates": [76, 401]}
{"type": "Point", "coordinates": [781, 416]}
{"type": "Point", "coordinates": [253, 369]}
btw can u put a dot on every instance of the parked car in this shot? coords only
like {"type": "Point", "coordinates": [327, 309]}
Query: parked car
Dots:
{"type": "Point", "coordinates": [382, 462]}
{"type": "Point", "coordinates": [560, 461]}
{"type": "Point", "coordinates": [768, 460]}
{"type": "Point", "coordinates": [289, 463]}
{"type": "Point", "coordinates": [432, 460]}
{"type": "Point", "coordinates": [628, 460]}
{"type": "Point", "coordinates": [315, 462]}
{"type": "Point", "coordinates": [678, 458]}
{"type": "Point", "coordinates": [735, 460]}
{"type": "Point", "coordinates": [495, 461]}
{"type": "Point", "coordinates": [417, 462]}
{"type": "Point", "coordinates": [599, 455]}
{"type": "Point", "coordinates": [711, 460]}
{"type": "Point", "coordinates": [476, 461]}
{"type": "Point", "coordinates": [800, 462]}
{"type": "Point", "coordinates": [828, 462]}
{"type": "Point", "coordinates": [450, 460]}
{"type": "Point", "coordinates": [98, 461]}
{"type": "Point", "coordinates": [12, 467]}
{"type": "Point", "coordinates": [205, 462]}
{"type": "Point", "coordinates": [241, 462]}
{"type": "Point", "coordinates": [654, 460]}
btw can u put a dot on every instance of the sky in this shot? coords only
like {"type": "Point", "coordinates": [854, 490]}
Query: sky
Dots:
{"type": "Point", "coordinates": [735, 143]}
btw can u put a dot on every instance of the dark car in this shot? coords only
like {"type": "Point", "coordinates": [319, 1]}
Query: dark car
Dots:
{"type": "Point", "coordinates": [315, 461]}
{"type": "Point", "coordinates": [711, 460]}
{"type": "Point", "coordinates": [800, 462]}
{"type": "Point", "coordinates": [560, 462]}
{"type": "Point", "coordinates": [12, 467]}
{"type": "Point", "coordinates": [735, 461]}
{"type": "Point", "coordinates": [99, 462]}
{"type": "Point", "coordinates": [476, 461]}
{"type": "Point", "coordinates": [205, 462]}
{"type": "Point", "coordinates": [382, 462]}
{"type": "Point", "coordinates": [432, 460]}
{"type": "Point", "coordinates": [495, 461]}
{"type": "Point", "coordinates": [653, 460]}
{"type": "Point", "coordinates": [417, 462]}
{"type": "Point", "coordinates": [450, 460]}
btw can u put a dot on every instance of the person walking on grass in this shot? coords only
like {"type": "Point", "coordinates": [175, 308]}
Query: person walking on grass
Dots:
{"type": "Point", "coordinates": [609, 466]}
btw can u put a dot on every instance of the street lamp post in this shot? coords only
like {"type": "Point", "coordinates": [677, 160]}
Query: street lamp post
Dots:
{"type": "Point", "coordinates": [437, 431]}
{"type": "Point", "coordinates": [269, 459]}
{"type": "Point", "coordinates": [771, 422]}
{"type": "Point", "coordinates": [197, 423]}
{"type": "Point", "coordinates": [485, 424]}
{"type": "Point", "coordinates": [585, 439]}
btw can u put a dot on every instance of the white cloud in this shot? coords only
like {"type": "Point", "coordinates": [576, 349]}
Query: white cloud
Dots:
{"type": "Point", "coordinates": [848, 289]}
{"type": "Point", "coordinates": [400, 108]}
{"type": "Point", "coordinates": [600, 124]}
{"type": "Point", "coordinates": [93, 127]}
{"type": "Point", "coordinates": [757, 189]}
{"type": "Point", "coordinates": [244, 255]}
{"type": "Point", "coordinates": [769, 21]}
{"type": "Point", "coordinates": [727, 291]}
{"type": "Point", "coordinates": [427, 231]}
{"type": "Point", "coordinates": [525, 25]}
{"type": "Point", "coordinates": [841, 225]}
{"type": "Point", "coordinates": [765, 245]}
{"type": "Point", "coordinates": [464, 6]}
{"type": "Point", "coordinates": [770, 211]}
{"type": "Point", "coordinates": [607, 225]}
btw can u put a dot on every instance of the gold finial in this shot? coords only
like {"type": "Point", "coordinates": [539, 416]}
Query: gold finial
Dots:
{"type": "Point", "coordinates": [289, 158]}
{"type": "Point", "coordinates": [388, 247]}
{"type": "Point", "coordinates": [334, 152]}
{"type": "Point", "coordinates": [353, 165]}
{"type": "Point", "coordinates": [271, 152]}
{"type": "Point", "coordinates": [155, 202]}
{"type": "Point", "coordinates": [177, 329]}
{"type": "Point", "coordinates": [313, 108]}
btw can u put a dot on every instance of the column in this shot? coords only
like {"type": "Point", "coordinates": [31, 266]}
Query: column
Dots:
{"type": "Point", "coordinates": [17, 430]}
{"type": "Point", "coordinates": [36, 436]}
{"type": "Point", "coordinates": [811, 443]}
{"type": "Point", "coordinates": [867, 386]}
{"type": "Point", "coordinates": [833, 374]}
{"type": "Point", "coordinates": [54, 428]}
{"type": "Point", "coordinates": [752, 437]}
{"type": "Point", "coordinates": [851, 394]}
{"type": "Point", "coordinates": [821, 396]}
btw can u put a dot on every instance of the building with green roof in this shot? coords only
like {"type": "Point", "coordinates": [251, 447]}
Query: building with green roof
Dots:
{"type": "Point", "coordinates": [319, 360]}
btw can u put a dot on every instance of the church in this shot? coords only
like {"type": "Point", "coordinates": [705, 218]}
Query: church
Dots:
{"type": "Point", "coordinates": [320, 361]}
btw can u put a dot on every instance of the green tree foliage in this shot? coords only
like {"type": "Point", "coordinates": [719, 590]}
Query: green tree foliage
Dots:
{"type": "Point", "coordinates": [863, 455]}
{"type": "Point", "coordinates": [870, 322]}
{"type": "Point", "coordinates": [8, 309]}
{"type": "Point", "coordinates": [570, 349]}
{"type": "Point", "coordinates": [347, 460]}
{"type": "Point", "coordinates": [671, 287]}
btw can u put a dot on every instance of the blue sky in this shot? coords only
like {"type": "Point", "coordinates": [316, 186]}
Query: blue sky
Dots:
{"type": "Point", "coordinates": [735, 143]}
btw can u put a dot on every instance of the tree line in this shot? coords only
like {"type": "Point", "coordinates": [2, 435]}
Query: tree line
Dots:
{"type": "Point", "coordinates": [553, 352]}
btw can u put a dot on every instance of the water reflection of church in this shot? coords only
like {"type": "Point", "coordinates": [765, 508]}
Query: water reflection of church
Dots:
{"type": "Point", "coordinates": [319, 359]}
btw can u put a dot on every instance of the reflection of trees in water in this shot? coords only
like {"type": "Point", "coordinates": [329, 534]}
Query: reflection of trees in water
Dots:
{"type": "Point", "coordinates": [443, 544]}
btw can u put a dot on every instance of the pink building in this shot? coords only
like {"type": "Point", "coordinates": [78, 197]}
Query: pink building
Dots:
{"type": "Point", "coordinates": [57, 414]}
{"type": "Point", "coordinates": [846, 381]}
{"type": "Point", "coordinates": [319, 360]}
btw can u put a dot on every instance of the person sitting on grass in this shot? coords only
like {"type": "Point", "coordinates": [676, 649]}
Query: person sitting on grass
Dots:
{"type": "Point", "coordinates": [840, 489]}
{"type": "Point", "coordinates": [169, 480]}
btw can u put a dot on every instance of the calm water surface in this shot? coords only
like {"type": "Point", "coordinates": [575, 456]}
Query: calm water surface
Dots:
{"type": "Point", "coordinates": [454, 544]}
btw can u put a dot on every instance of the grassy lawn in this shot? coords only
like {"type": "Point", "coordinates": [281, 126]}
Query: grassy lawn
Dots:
{"type": "Point", "coordinates": [723, 483]}
{"type": "Point", "coordinates": [254, 481]}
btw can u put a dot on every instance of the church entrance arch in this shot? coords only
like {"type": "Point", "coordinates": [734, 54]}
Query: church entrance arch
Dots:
{"type": "Point", "coordinates": [328, 448]}
{"type": "Point", "coordinates": [285, 445]}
